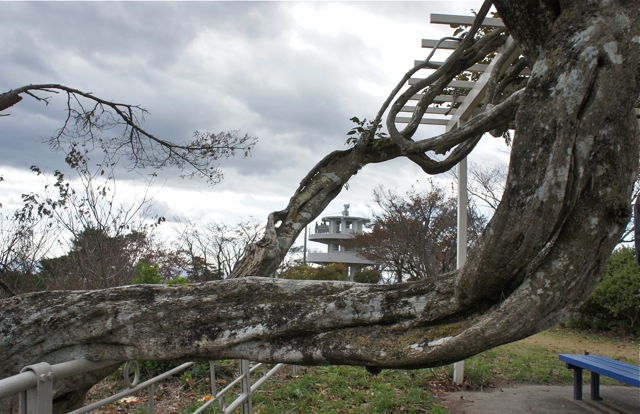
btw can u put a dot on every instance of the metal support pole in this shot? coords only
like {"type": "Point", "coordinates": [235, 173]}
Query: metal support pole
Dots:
{"type": "Point", "coordinates": [461, 256]}
{"type": "Point", "coordinates": [152, 401]}
{"type": "Point", "coordinates": [245, 385]}
{"type": "Point", "coordinates": [463, 201]}
{"type": "Point", "coordinates": [595, 386]}
{"type": "Point", "coordinates": [214, 385]}
{"type": "Point", "coordinates": [577, 383]}
{"type": "Point", "coordinates": [304, 249]}
{"type": "Point", "coordinates": [39, 399]}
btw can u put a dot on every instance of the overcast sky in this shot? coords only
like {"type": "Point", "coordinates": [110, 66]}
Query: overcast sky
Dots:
{"type": "Point", "coordinates": [290, 73]}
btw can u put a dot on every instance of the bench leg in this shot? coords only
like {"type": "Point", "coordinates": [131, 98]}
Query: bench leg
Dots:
{"type": "Point", "coordinates": [577, 383]}
{"type": "Point", "coordinates": [595, 387]}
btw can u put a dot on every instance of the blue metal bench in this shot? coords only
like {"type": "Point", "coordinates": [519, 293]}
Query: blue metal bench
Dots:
{"type": "Point", "coordinates": [599, 365]}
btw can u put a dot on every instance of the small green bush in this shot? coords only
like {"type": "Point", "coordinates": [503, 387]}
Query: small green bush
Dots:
{"type": "Point", "coordinates": [334, 271]}
{"type": "Point", "coordinates": [367, 276]}
{"type": "Point", "coordinates": [146, 273]}
{"type": "Point", "coordinates": [179, 280]}
{"type": "Point", "coordinates": [615, 302]}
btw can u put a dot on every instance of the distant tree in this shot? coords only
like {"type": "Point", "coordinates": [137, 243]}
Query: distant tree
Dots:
{"type": "Point", "coordinates": [95, 261]}
{"type": "Point", "coordinates": [199, 270]}
{"type": "Point", "coordinates": [414, 235]}
{"type": "Point", "coordinates": [486, 183]}
{"type": "Point", "coordinates": [22, 244]}
{"type": "Point", "coordinates": [209, 251]}
{"type": "Point", "coordinates": [332, 271]}
{"type": "Point", "coordinates": [105, 237]}
{"type": "Point", "coordinates": [299, 272]}
{"type": "Point", "coordinates": [616, 299]}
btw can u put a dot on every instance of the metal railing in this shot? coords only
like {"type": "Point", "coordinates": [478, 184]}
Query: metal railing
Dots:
{"type": "Point", "coordinates": [34, 385]}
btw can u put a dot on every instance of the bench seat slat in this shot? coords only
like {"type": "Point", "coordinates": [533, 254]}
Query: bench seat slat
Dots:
{"type": "Point", "coordinates": [617, 370]}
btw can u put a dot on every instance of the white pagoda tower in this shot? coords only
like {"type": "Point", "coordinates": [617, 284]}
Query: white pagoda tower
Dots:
{"type": "Point", "coordinates": [334, 231]}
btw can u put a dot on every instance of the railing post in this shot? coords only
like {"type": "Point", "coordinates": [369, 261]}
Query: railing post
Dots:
{"type": "Point", "coordinates": [152, 402]}
{"type": "Point", "coordinates": [245, 385]}
{"type": "Point", "coordinates": [214, 385]}
{"type": "Point", "coordinates": [38, 400]}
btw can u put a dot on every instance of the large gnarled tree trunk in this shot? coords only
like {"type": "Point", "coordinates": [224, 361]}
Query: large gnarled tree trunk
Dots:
{"type": "Point", "coordinates": [566, 203]}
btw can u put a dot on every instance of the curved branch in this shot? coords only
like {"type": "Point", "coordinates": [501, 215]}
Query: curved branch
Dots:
{"type": "Point", "coordinates": [457, 62]}
{"type": "Point", "coordinates": [496, 116]}
{"type": "Point", "coordinates": [431, 166]}
{"type": "Point", "coordinates": [498, 69]}
{"type": "Point", "coordinates": [423, 65]}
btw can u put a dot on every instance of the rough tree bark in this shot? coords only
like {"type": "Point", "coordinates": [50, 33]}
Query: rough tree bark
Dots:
{"type": "Point", "coordinates": [565, 205]}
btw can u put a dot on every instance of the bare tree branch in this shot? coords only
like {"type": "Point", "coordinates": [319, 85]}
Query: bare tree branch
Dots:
{"type": "Point", "coordinates": [144, 149]}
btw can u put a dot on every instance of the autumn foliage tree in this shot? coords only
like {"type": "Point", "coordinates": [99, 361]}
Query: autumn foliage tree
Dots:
{"type": "Point", "coordinates": [413, 236]}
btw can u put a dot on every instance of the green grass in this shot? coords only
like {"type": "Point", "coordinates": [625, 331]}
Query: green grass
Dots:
{"type": "Point", "coordinates": [343, 389]}
{"type": "Point", "coordinates": [353, 390]}
{"type": "Point", "coordinates": [519, 362]}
